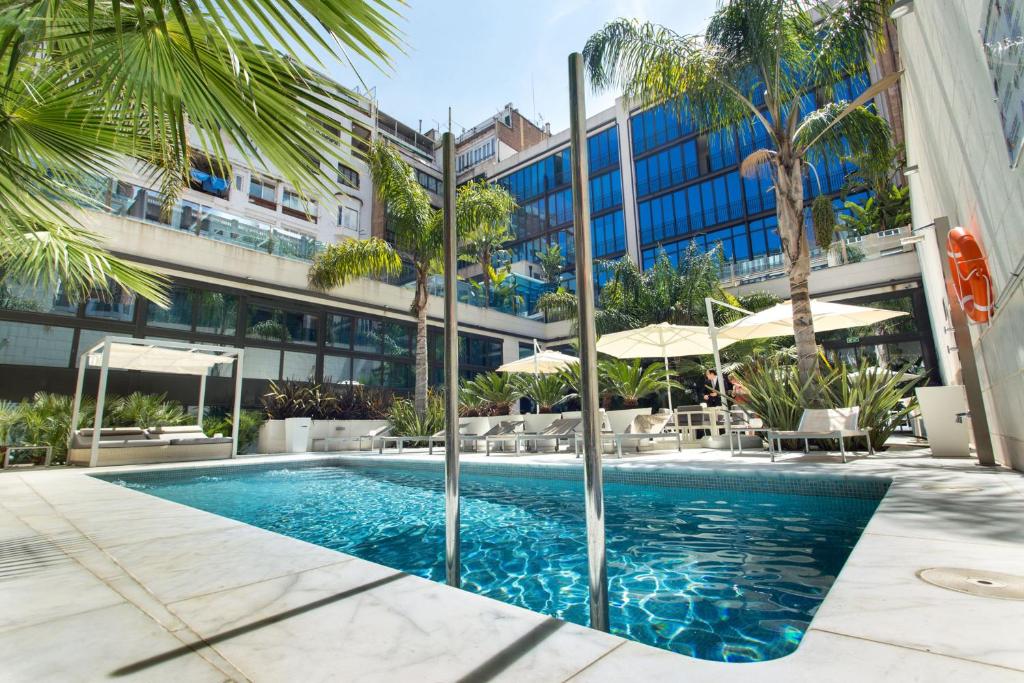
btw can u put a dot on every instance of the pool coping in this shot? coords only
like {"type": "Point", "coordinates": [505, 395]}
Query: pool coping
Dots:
{"type": "Point", "coordinates": [877, 620]}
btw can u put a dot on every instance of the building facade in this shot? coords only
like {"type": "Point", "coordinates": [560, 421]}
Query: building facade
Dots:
{"type": "Point", "coordinates": [237, 251]}
{"type": "Point", "coordinates": [962, 105]}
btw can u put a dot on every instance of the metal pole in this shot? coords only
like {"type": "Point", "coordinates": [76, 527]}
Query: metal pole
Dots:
{"type": "Point", "coordinates": [202, 397]}
{"type": "Point", "coordinates": [593, 487]}
{"type": "Point", "coordinates": [965, 352]}
{"type": "Point", "coordinates": [713, 333]}
{"type": "Point", "coordinates": [668, 392]}
{"type": "Point", "coordinates": [101, 397]}
{"type": "Point", "coordinates": [79, 386]}
{"type": "Point", "coordinates": [452, 559]}
{"type": "Point", "coordinates": [237, 408]}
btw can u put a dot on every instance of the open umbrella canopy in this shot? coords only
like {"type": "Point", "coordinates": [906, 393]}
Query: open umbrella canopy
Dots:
{"type": "Point", "coordinates": [777, 321]}
{"type": "Point", "coordinates": [540, 363]}
{"type": "Point", "coordinates": [663, 340]}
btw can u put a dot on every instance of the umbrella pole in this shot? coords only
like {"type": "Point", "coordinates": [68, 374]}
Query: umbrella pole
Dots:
{"type": "Point", "coordinates": [713, 332]}
{"type": "Point", "coordinates": [668, 392]}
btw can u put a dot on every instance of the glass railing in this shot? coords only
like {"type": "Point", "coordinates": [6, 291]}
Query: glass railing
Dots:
{"type": "Point", "coordinates": [842, 252]}
{"type": "Point", "coordinates": [120, 198]}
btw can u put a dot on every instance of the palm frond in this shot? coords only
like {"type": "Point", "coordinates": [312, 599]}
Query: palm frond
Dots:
{"type": "Point", "coordinates": [848, 31]}
{"type": "Point", "coordinates": [758, 162]}
{"type": "Point", "coordinates": [342, 262]}
{"type": "Point", "coordinates": [836, 128]}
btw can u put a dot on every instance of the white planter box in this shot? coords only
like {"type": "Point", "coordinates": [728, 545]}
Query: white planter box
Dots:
{"type": "Point", "coordinates": [343, 435]}
{"type": "Point", "coordinates": [619, 420]}
{"type": "Point", "coordinates": [297, 438]}
{"type": "Point", "coordinates": [271, 437]}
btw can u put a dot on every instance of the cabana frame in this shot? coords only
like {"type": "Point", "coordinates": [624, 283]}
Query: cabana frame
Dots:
{"type": "Point", "coordinates": [199, 365]}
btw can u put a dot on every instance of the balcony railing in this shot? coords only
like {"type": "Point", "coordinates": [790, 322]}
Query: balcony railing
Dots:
{"type": "Point", "coordinates": [842, 252]}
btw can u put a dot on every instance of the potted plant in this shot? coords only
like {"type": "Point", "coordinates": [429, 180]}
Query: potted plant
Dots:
{"type": "Point", "coordinates": [547, 392]}
{"type": "Point", "coordinates": [631, 381]}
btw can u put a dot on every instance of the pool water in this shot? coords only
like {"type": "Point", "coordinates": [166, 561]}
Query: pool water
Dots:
{"type": "Point", "coordinates": [717, 573]}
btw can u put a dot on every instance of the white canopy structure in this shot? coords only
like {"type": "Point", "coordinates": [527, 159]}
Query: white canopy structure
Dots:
{"type": "Point", "coordinates": [663, 340]}
{"type": "Point", "coordinates": [154, 355]}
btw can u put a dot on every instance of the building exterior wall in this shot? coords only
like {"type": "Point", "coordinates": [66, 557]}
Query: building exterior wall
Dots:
{"type": "Point", "coordinates": [954, 135]}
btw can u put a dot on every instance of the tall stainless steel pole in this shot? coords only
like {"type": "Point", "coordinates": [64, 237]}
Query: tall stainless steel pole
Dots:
{"type": "Point", "coordinates": [592, 484]}
{"type": "Point", "coordinates": [452, 561]}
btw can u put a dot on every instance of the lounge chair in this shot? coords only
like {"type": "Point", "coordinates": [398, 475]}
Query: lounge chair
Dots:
{"type": "Point", "coordinates": [505, 428]}
{"type": "Point", "coordinates": [400, 441]}
{"type": "Point", "coordinates": [360, 439]}
{"type": "Point", "coordinates": [562, 429]}
{"type": "Point", "coordinates": [647, 428]}
{"type": "Point", "coordinates": [828, 423]}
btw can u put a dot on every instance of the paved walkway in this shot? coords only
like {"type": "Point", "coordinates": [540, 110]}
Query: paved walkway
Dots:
{"type": "Point", "coordinates": [97, 582]}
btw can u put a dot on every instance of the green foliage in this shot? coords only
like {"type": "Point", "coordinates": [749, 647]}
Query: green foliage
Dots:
{"type": "Point", "coordinates": [45, 421]}
{"type": "Point", "coordinates": [775, 394]}
{"type": "Point", "coordinates": [405, 421]}
{"type": "Point", "coordinates": [633, 297]}
{"type": "Point", "coordinates": [249, 422]}
{"type": "Point", "coordinates": [88, 83]}
{"type": "Point", "coordinates": [146, 410]}
{"type": "Point", "coordinates": [547, 391]}
{"type": "Point", "coordinates": [496, 391]}
{"type": "Point", "coordinates": [484, 217]}
{"type": "Point", "coordinates": [823, 219]}
{"type": "Point", "coordinates": [880, 212]}
{"type": "Point", "coordinates": [551, 262]}
{"type": "Point", "coordinates": [632, 381]}
{"type": "Point", "coordinates": [323, 401]}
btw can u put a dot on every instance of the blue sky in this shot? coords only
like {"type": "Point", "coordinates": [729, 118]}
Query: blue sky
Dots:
{"type": "Point", "coordinates": [476, 55]}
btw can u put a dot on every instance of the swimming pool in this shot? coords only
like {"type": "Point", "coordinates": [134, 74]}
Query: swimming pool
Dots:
{"type": "Point", "coordinates": [716, 565]}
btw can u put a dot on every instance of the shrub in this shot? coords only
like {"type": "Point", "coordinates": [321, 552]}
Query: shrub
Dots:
{"type": "Point", "coordinates": [497, 391]}
{"type": "Point", "coordinates": [46, 421]}
{"type": "Point", "coordinates": [547, 391]}
{"type": "Point", "coordinates": [405, 421]}
{"type": "Point", "coordinates": [631, 381]}
{"type": "Point", "coordinates": [324, 401]}
{"type": "Point", "coordinates": [249, 423]}
{"type": "Point", "coordinates": [146, 410]}
{"type": "Point", "coordinates": [775, 394]}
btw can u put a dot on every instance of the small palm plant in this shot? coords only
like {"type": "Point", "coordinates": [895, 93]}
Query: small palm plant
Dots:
{"type": "Point", "coordinates": [547, 391]}
{"type": "Point", "coordinates": [631, 381]}
{"type": "Point", "coordinates": [146, 410]}
{"type": "Point", "coordinates": [484, 214]}
{"type": "Point", "coordinates": [497, 390]}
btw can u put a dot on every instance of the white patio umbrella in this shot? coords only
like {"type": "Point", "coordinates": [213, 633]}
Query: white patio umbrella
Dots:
{"type": "Point", "coordinates": [663, 340]}
{"type": "Point", "coordinates": [540, 363]}
{"type": "Point", "coordinates": [777, 321]}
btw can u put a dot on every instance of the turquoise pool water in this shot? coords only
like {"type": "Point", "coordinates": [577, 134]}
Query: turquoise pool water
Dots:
{"type": "Point", "coordinates": [704, 564]}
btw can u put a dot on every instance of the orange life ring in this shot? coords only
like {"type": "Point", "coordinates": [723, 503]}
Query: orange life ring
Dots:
{"type": "Point", "coordinates": [969, 271]}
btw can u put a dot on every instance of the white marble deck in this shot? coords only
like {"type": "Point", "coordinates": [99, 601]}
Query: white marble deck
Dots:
{"type": "Point", "coordinates": [97, 581]}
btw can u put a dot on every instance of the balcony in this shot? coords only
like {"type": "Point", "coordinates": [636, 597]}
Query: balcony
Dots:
{"type": "Point", "coordinates": [842, 252]}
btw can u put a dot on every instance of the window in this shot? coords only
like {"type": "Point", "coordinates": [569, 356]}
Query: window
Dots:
{"type": "Point", "coordinates": [603, 149]}
{"type": "Point", "coordinates": [429, 182]}
{"type": "Point", "coordinates": [339, 331]}
{"type": "Point", "coordinates": [16, 296]}
{"type": "Point", "coordinates": [475, 155]}
{"type": "Point", "coordinates": [348, 176]}
{"type": "Point", "coordinates": [178, 316]}
{"type": "Point", "coordinates": [348, 218]}
{"type": "Point", "coordinates": [360, 138]}
{"type": "Point", "coordinates": [609, 235]}
{"type": "Point", "coordinates": [274, 324]}
{"type": "Point", "coordinates": [299, 366]}
{"type": "Point", "coordinates": [386, 338]}
{"type": "Point", "coordinates": [293, 205]}
{"type": "Point", "coordinates": [216, 313]}
{"type": "Point", "coordinates": [605, 191]}
{"type": "Point", "coordinates": [24, 344]}
{"type": "Point", "coordinates": [383, 373]}
{"type": "Point", "coordinates": [263, 192]}
{"type": "Point", "coordinates": [117, 304]}
{"type": "Point", "coordinates": [261, 363]}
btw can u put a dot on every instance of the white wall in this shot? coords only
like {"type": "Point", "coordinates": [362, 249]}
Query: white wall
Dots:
{"type": "Point", "coordinates": [955, 137]}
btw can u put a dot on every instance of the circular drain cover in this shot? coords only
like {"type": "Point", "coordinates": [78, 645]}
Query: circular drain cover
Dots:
{"type": "Point", "coordinates": [950, 488]}
{"type": "Point", "coordinates": [977, 582]}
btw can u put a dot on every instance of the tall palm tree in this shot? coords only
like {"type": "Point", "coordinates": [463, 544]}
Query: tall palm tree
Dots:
{"type": "Point", "coordinates": [87, 84]}
{"type": "Point", "coordinates": [485, 227]}
{"type": "Point", "coordinates": [634, 297]}
{"type": "Point", "coordinates": [754, 51]}
{"type": "Point", "coordinates": [418, 239]}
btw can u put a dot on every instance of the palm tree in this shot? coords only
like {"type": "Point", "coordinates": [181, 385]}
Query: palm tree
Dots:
{"type": "Point", "coordinates": [547, 391]}
{"type": "Point", "coordinates": [88, 84]}
{"type": "Point", "coordinates": [552, 262]}
{"type": "Point", "coordinates": [418, 240]}
{"type": "Point", "coordinates": [632, 381]}
{"type": "Point", "coordinates": [663, 293]}
{"type": "Point", "coordinates": [754, 49]}
{"type": "Point", "coordinates": [484, 219]}
{"type": "Point", "coordinates": [495, 390]}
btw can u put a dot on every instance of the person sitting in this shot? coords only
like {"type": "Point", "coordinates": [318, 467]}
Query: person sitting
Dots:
{"type": "Point", "coordinates": [711, 397]}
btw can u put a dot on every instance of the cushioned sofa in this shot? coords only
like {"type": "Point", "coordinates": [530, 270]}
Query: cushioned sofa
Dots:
{"type": "Point", "coordinates": [136, 446]}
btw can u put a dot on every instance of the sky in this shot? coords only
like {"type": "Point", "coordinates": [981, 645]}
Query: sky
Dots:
{"type": "Point", "coordinates": [478, 55]}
